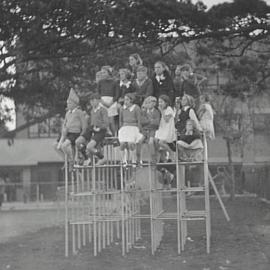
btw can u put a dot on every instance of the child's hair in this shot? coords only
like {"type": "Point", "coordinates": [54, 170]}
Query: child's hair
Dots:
{"type": "Point", "coordinates": [127, 72]}
{"type": "Point", "coordinates": [165, 67]}
{"type": "Point", "coordinates": [191, 101]}
{"type": "Point", "coordinates": [138, 59]}
{"type": "Point", "coordinates": [131, 96]}
{"type": "Point", "coordinates": [206, 97]}
{"type": "Point", "coordinates": [150, 99]}
{"type": "Point", "coordinates": [98, 76]}
{"type": "Point", "coordinates": [109, 69]}
{"type": "Point", "coordinates": [166, 99]}
{"type": "Point", "coordinates": [94, 96]}
{"type": "Point", "coordinates": [187, 67]}
{"type": "Point", "coordinates": [142, 69]}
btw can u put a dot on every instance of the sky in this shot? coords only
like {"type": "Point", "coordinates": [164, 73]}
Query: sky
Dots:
{"type": "Point", "coordinates": [210, 3]}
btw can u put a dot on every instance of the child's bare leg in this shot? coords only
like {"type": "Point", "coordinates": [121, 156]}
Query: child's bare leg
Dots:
{"type": "Point", "coordinates": [152, 149]}
{"type": "Point", "coordinates": [67, 149]}
{"type": "Point", "coordinates": [156, 147]}
{"type": "Point", "coordinates": [167, 148]}
{"type": "Point", "coordinates": [132, 149]}
{"type": "Point", "coordinates": [123, 152]}
{"type": "Point", "coordinates": [139, 149]}
{"type": "Point", "coordinates": [59, 151]}
{"type": "Point", "coordinates": [91, 149]}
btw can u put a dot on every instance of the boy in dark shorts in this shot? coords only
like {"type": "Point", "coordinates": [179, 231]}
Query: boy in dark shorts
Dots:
{"type": "Point", "coordinates": [95, 133]}
{"type": "Point", "coordinates": [74, 125]}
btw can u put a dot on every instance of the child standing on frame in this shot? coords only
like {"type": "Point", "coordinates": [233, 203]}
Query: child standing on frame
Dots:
{"type": "Point", "coordinates": [166, 133]}
{"type": "Point", "coordinates": [129, 133]}
{"type": "Point", "coordinates": [206, 116]}
{"type": "Point", "coordinates": [150, 120]}
{"type": "Point", "coordinates": [107, 89]}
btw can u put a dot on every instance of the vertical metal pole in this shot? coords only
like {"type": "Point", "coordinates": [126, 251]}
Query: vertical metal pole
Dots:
{"type": "Point", "coordinates": [66, 208]}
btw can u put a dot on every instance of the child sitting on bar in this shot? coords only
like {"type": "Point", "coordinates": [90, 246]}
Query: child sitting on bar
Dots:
{"type": "Point", "coordinates": [75, 123]}
{"type": "Point", "coordinates": [129, 133]}
{"type": "Point", "coordinates": [190, 144]}
{"type": "Point", "coordinates": [96, 132]}
{"type": "Point", "coordinates": [150, 119]}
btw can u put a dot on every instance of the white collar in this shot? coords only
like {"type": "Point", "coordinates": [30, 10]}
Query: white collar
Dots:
{"type": "Point", "coordinates": [131, 108]}
{"type": "Point", "coordinates": [74, 110]}
{"type": "Point", "coordinates": [160, 77]}
{"type": "Point", "coordinates": [98, 107]}
{"type": "Point", "coordinates": [127, 84]}
{"type": "Point", "coordinates": [185, 108]}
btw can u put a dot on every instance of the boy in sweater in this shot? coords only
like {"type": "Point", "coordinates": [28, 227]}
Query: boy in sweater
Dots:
{"type": "Point", "coordinates": [96, 132]}
{"type": "Point", "coordinates": [75, 124]}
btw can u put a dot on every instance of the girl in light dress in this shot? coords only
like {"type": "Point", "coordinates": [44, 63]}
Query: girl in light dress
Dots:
{"type": "Point", "coordinates": [166, 133]}
{"type": "Point", "coordinates": [206, 117]}
{"type": "Point", "coordinates": [129, 133]}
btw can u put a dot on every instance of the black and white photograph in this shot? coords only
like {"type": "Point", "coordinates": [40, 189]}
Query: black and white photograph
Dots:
{"type": "Point", "coordinates": [134, 134]}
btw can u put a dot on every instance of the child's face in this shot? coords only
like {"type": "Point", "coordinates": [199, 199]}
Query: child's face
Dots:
{"type": "Point", "coordinates": [132, 61]}
{"type": "Point", "coordinates": [71, 105]}
{"type": "Point", "coordinates": [161, 104]}
{"type": "Point", "coordinates": [185, 73]}
{"type": "Point", "coordinates": [184, 101]}
{"type": "Point", "coordinates": [189, 126]}
{"type": "Point", "coordinates": [127, 101]}
{"type": "Point", "coordinates": [202, 100]}
{"type": "Point", "coordinates": [178, 71]}
{"type": "Point", "coordinates": [104, 74]}
{"type": "Point", "coordinates": [141, 75]}
{"type": "Point", "coordinates": [122, 75]}
{"type": "Point", "coordinates": [159, 69]}
{"type": "Point", "coordinates": [94, 102]}
{"type": "Point", "coordinates": [152, 104]}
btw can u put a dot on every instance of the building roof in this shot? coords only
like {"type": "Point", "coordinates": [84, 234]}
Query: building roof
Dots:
{"type": "Point", "coordinates": [27, 152]}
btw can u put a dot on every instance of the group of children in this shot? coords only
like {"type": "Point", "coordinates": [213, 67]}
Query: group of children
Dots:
{"type": "Point", "coordinates": [137, 110]}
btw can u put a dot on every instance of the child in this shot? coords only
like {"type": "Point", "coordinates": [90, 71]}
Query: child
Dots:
{"type": "Point", "coordinates": [150, 120]}
{"type": "Point", "coordinates": [107, 89]}
{"type": "Point", "coordinates": [162, 82]}
{"type": "Point", "coordinates": [124, 84]}
{"type": "Point", "coordinates": [75, 123]}
{"type": "Point", "coordinates": [186, 112]}
{"type": "Point", "coordinates": [134, 61]}
{"type": "Point", "coordinates": [191, 140]}
{"type": "Point", "coordinates": [206, 116]}
{"type": "Point", "coordinates": [166, 133]}
{"type": "Point", "coordinates": [98, 125]}
{"type": "Point", "coordinates": [143, 85]}
{"type": "Point", "coordinates": [129, 133]}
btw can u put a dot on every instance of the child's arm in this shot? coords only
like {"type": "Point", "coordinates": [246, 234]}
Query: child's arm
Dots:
{"type": "Point", "coordinates": [156, 119]}
{"type": "Point", "coordinates": [84, 117]}
{"type": "Point", "coordinates": [193, 117]}
{"type": "Point", "coordinates": [63, 133]}
{"type": "Point", "coordinates": [138, 117]}
{"type": "Point", "coordinates": [168, 114]}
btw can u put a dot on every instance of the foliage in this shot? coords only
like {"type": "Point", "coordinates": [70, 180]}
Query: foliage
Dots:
{"type": "Point", "coordinates": [48, 45]}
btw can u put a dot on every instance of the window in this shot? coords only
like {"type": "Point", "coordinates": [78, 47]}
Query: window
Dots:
{"type": "Point", "coordinates": [50, 128]}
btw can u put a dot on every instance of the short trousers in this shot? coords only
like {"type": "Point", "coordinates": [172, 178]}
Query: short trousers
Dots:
{"type": "Point", "coordinates": [72, 137]}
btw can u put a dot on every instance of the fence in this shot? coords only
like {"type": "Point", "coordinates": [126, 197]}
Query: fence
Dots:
{"type": "Point", "coordinates": [33, 192]}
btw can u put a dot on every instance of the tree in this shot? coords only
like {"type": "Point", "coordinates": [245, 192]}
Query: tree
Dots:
{"type": "Point", "coordinates": [46, 46]}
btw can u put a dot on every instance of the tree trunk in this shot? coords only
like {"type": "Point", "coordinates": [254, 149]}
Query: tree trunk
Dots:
{"type": "Point", "coordinates": [229, 152]}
